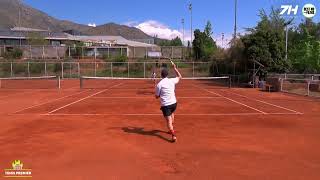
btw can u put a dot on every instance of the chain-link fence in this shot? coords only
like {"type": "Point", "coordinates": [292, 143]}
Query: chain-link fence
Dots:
{"type": "Point", "coordinates": [102, 69]}
{"type": "Point", "coordinates": [62, 52]}
{"type": "Point", "coordinates": [301, 84]}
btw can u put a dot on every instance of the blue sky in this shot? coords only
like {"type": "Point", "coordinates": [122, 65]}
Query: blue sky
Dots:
{"type": "Point", "coordinates": [164, 13]}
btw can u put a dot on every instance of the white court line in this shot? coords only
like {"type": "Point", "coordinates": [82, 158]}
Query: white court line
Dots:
{"type": "Point", "coordinates": [147, 97]}
{"type": "Point", "coordinates": [83, 99]}
{"type": "Point", "coordinates": [49, 101]}
{"type": "Point", "coordinates": [158, 114]}
{"type": "Point", "coordinates": [281, 107]}
{"type": "Point", "coordinates": [233, 100]}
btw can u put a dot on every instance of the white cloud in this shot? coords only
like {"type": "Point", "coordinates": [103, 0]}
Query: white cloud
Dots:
{"type": "Point", "coordinates": [225, 42]}
{"type": "Point", "coordinates": [155, 28]}
{"type": "Point", "coordinates": [92, 24]}
{"type": "Point", "coordinates": [152, 28]}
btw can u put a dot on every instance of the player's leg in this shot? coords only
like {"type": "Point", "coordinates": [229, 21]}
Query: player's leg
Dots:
{"type": "Point", "coordinates": [170, 127]}
{"type": "Point", "coordinates": [172, 116]}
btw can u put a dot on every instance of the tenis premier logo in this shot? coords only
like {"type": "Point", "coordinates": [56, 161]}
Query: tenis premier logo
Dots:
{"type": "Point", "coordinates": [308, 10]}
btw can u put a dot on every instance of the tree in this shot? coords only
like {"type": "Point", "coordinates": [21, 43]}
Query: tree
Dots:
{"type": "Point", "coordinates": [266, 42]}
{"type": "Point", "coordinates": [203, 44]}
{"type": "Point", "coordinates": [176, 42]}
{"type": "Point", "coordinates": [304, 51]}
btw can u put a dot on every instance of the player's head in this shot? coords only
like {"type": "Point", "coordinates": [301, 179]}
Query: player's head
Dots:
{"type": "Point", "coordinates": [164, 73]}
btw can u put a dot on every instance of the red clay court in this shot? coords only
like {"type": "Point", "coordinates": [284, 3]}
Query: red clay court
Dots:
{"type": "Point", "coordinates": [115, 130]}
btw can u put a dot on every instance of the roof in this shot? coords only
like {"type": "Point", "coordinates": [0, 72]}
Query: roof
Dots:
{"type": "Point", "coordinates": [7, 34]}
{"type": "Point", "coordinates": [27, 29]}
{"type": "Point", "coordinates": [113, 40]}
{"type": "Point", "coordinates": [23, 33]}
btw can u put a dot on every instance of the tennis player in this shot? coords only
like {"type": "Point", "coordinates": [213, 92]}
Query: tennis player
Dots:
{"type": "Point", "coordinates": [154, 76]}
{"type": "Point", "coordinates": [165, 90]}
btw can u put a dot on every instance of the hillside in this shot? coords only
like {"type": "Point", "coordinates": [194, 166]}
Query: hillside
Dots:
{"type": "Point", "coordinates": [33, 18]}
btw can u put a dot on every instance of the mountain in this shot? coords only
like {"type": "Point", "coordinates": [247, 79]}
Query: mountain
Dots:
{"type": "Point", "coordinates": [33, 18]}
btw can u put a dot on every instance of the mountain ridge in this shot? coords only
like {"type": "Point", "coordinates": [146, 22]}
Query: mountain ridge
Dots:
{"type": "Point", "coordinates": [33, 18]}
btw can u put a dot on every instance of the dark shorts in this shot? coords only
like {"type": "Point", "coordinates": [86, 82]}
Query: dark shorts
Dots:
{"type": "Point", "coordinates": [168, 110]}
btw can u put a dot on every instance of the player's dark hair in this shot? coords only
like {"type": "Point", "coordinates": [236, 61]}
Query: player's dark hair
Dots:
{"type": "Point", "coordinates": [164, 73]}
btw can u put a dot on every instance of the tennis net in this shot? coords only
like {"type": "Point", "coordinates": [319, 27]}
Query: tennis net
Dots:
{"type": "Point", "coordinates": [87, 82]}
{"type": "Point", "coordinates": [43, 82]}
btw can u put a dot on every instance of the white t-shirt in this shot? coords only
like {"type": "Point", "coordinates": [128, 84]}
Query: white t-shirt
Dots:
{"type": "Point", "coordinates": [166, 90]}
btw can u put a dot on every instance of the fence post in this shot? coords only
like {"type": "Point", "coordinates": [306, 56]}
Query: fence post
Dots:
{"type": "Point", "coordinates": [146, 56]}
{"type": "Point", "coordinates": [308, 87]}
{"type": "Point", "coordinates": [95, 69]}
{"type": "Point", "coordinates": [171, 52]}
{"type": "Point", "coordinates": [95, 53]}
{"type": "Point", "coordinates": [43, 52]}
{"type": "Point", "coordinates": [192, 68]}
{"type": "Point", "coordinates": [28, 69]}
{"type": "Point", "coordinates": [82, 54]}
{"type": "Point", "coordinates": [111, 69]}
{"type": "Point", "coordinates": [144, 69]}
{"type": "Point", "coordinates": [79, 72]}
{"type": "Point", "coordinates": [30, 52]}
{"type": "Point", "coordinates": [57, 52]}
{"type": "Point", "coordinates": [128, 69]}
{"type": "Point", "coordinates": [109, 53]}
{"type": "Point", "coordinates": [62, 70]}
{"type": "Point", "coordinates": [120, 51]}
{"type": "Point", "coordinates": [134, 52]}
{"type": "Point", "coordinates": [45, 68]}
{"type": "Point", "coordinates": [69, 51]}
{"type": "Point", "coordinates": [11, 68]}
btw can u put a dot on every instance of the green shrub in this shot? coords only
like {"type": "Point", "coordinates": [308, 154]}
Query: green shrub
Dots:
{"type": "Point", "coordinates": [14, 53]}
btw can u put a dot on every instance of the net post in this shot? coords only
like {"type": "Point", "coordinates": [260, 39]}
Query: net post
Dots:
{"type": "Point", "coordinates": [81, 82]}
{"type": "Point", "coordinates": [59, 82]}
{"type": "Point", "coordinates": [281, 84]}
{"type": "Point", "coordinates": [230, 82]}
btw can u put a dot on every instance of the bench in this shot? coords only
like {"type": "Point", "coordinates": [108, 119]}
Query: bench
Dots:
{"type": "Point", "coordinates": [269, 87]}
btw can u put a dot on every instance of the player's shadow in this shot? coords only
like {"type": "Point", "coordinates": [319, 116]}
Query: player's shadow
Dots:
{"type": "Point", "coordinates": [140, 92]}
{"type": "Point", "coordinates": [141, 131]}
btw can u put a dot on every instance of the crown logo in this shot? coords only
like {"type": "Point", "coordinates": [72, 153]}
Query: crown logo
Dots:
{"type": "Point", "coordinates": [17, 165]}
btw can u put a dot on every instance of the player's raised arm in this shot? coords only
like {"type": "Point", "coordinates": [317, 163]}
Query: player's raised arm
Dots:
{"type": "Point", "coordinates": [176, 70]}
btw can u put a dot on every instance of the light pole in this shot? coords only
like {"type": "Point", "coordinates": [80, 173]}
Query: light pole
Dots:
{"type": "Point", "coordinates": [286, 42]}
{"type": "Point", "coordinates": [182, 21]}
{"type": "Point", "coordinates": [222, 38]}
{"type": "Point", "coordinates": [190, 9]}
{"type": "Point", "coordinates": [235, 20]}
{"type": "Point", "coordinates": [19, 23]}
